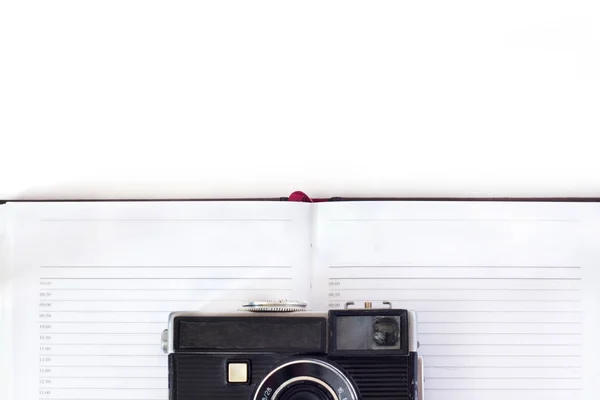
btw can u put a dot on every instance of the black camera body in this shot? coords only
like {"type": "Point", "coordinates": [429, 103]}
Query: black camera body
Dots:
{"type": "Point", "coordinates": [350, 354]}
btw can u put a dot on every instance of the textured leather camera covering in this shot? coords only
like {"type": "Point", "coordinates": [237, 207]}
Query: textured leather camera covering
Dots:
{"type": "Point", "coordinates": [259, 333]}
{"type": "Point", "coordinates": [378, 378]}
{"type": "Point", "coordinates": [204, 376]}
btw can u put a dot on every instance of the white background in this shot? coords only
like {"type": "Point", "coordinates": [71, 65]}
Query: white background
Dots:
{"type": "Point", "coordinates": [131, 99]}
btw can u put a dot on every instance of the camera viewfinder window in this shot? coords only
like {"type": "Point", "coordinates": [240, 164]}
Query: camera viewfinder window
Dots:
{"type": "Point", "coordinates": [368, 333]}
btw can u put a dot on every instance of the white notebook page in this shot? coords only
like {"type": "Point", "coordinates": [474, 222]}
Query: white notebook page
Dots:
{"type": "Point", "coordinates": [501, 290]}
{"type": "Point", "coordinates": [94, 282]}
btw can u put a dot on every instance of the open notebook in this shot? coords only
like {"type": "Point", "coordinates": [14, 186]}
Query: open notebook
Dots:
{"type": "Point", "coordinates": [505, 292]}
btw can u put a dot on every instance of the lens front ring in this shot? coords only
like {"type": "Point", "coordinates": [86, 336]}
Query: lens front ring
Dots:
{"type": "Point", "coordinates": [317, 371]}
{"type": "Point", "coordinates": [304, 378]}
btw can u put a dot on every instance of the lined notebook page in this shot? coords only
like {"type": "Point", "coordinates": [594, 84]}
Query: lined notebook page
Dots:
{"type": "Point", "coordinates": [498, 289]}
{"type": "Point", "coordinates": [95, 282]}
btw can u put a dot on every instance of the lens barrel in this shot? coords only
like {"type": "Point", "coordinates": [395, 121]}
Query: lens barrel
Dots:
{"type": "Point", "coordinates": [306, 379]}
{"type": "Point", "coordinates": [305, 390]}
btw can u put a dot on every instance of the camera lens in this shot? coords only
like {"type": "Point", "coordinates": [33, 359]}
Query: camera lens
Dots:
{"type": "Point", "coordinates": [305, 390]}
{"type": "Point", "coordinates": [305, 379]}
{"type": "Point", "coordinates": [386, 331]}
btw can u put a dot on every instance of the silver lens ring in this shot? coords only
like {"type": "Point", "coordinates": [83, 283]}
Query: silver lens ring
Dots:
{"type": "Point", "coordinates": [300, 379]}
{"type": "Point", "coordinates": [317, 371]}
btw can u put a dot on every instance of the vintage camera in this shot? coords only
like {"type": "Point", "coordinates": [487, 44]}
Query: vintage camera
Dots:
{"type": "Point", "coordinates": [279, 352]}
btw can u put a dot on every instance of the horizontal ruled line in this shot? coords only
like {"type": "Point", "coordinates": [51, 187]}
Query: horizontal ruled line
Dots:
{"type": "Point", "coordinates": [96, 377]}
{"type": "Point", "coordinates": [334, 289]}
{"type": "Point", "coordinates": [96, 388]}
{"type": "Point", "coordinates": [94, 344]}
{"type": "Point", "coordinates": [183, 279]}
{"type": "Point", "coordinates": [142, 300]}
{"type": "Point", "coordinates": [92, 398]}
{"type": "Point", "coordinates": [504, 389]}
{"type": "Point", "coordinates": [167, 220]}
{"type": "Point", "coordinates": [96, 322]}
{"type": "Point", "coordinates": [166, 266]}
{"type": "Point", "coordinates": [500, 366]}
{"type": "Point", "coordinates": [80, 398]}
{"type": "Point", "coordinates": [502, 311]}
{"type": "Point", "coordinates": [456, 278]}
{"type": "Point", "coordinates": [501, 322]}
{"type": "Point", "coordinates": [504, 355]}
{"type": "Point", "coordinates": [461, 266]}
{"type": "Point", "coordinates": [93, 333]}
{"type": "Point", "coordinates": [103, 311]}
{"type": "Point", "coordinates": [451, 220]}
{"type": "Point", "coordinates": [99, 355]}
{"type": "Point", "coordinates": [159, 289]}
{"type": "Point", "coordinates": [500, 344]}
{"type": "Point", "coordinates": [473, 300]}
{"type": "Point", "coordinates": [105, 366]}
{"type": "Point", "coordinates": [496, 378]}
{"type": "Point", "coordinates": [135, 301]}
{"type": "Point", "coordinates": [501, 333]}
